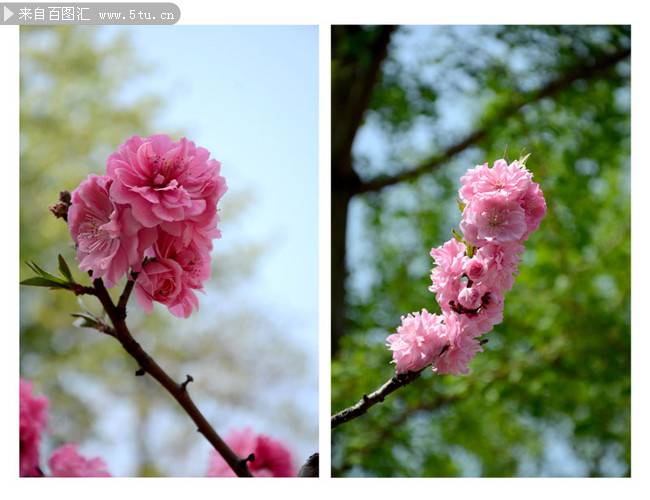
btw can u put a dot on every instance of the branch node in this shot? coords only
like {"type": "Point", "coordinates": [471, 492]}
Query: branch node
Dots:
{"type": "Point", "coordinates": [140, 372]}
{"type": "Point", "coordinates": [249, 458]}
{"type": "Point", "coordinates": [60, 208]}
{"type": "Point", "coordinates": [188, 379]}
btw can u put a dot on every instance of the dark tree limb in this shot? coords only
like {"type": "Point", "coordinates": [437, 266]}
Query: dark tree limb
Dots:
{"type": "Point", "coordinates": [310, 467]}
{"type": "Point", "coordinates": [179, 392]}
{"type": "Point", "coordinates": [378, 396]}
{"type": "Point", "coordinates": [564, 81]}
{"type": "Point", "coordinates": [353, 82]}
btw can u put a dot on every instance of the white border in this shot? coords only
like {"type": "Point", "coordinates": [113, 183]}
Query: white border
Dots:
{"type": "Point", "coordinates": [325, 13]}
{"type": "Point", "coordinates": [9, 144]}
{"type": "Point", "coordinates": [324, 253]}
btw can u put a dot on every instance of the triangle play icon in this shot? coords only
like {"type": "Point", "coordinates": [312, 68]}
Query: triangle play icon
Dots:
{"type": "Point", "coordinates": [7, 13]}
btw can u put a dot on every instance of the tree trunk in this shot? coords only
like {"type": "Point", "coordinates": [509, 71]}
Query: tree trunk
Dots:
{"type": "Point", "coordinates": [357, 55]}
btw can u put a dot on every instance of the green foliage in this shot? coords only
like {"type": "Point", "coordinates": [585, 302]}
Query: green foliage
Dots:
{"type": "Point", "coordinates": [556, 372]}
{"type": "Point", "coordinates": [45, 279]}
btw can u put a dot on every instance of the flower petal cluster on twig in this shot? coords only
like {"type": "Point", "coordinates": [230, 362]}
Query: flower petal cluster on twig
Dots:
{"type": "Point", "coordinates": [501, 207]}
{"type": "Point", "coordinates": [267, 456]}
{"type": "Point", "coordinates": [154, 213]}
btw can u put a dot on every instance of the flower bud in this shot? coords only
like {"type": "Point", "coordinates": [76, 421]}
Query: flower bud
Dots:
{"type": "Point", "coordinates": [469, 298]}
{"type": "Point", "coordinates": [475, 269]}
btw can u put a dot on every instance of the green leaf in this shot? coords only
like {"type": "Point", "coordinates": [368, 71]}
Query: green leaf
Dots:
{"type": "Point", "coordinates": [44, 274]}
{"type": "Point", "coordinates": [457, 235]}
{"type": "Point", "coordinates": [461, 205]}
{"type": "Point", "coordinates": [40, 281]}
{"type": "Point", "coordinates": [85, 320]}
{"type": "Point", "coordinates": [64, 269]}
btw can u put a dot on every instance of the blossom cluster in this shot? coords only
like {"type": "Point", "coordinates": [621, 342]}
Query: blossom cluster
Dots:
{"type": "Point", "coordinates": [501, 207]}
{"type": "Point", "coordinates": [65, 461]}
{"type": "Point", "coordinates": [272, 458]}
{"type": "Point", "coordinates": [153, 213]}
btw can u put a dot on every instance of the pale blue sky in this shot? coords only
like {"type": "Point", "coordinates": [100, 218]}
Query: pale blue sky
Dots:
{"type": "Point", "coordinates": [250, 95]}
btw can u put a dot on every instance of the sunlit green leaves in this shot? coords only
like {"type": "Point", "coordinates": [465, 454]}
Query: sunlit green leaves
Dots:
{"type": "Point", "coordinates": [556, 372]}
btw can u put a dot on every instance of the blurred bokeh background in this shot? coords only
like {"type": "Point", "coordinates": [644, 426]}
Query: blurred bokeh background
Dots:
{"type": "Point", "coordinates": [412, 109]}
{"type": "Point", "coordinates": [250, 95]}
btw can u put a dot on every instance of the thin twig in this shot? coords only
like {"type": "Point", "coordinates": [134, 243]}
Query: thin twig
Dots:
{"type": "Point", "coordinates": [128, 288]}
{"type": "Point", "coordinates": [378, 396]}
{"type": "Point", "coordinates": [178, 391]}
{"type": "Point", "coordinates": [95, 323]}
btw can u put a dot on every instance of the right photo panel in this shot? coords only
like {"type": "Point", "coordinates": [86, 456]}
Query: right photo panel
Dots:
{"type": "Point", "coordinates": [480, 251]}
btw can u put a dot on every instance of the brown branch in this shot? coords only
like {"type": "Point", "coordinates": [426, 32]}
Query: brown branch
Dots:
{"type": "Point", "coordinates": [368, 401]}
{"type": "Point", "coordinates": [352, 85]}
{"type": "Point", "coordinates": [126, 293]}
{"type": "Point", "coordinates": [563, 82]}
{"type": "Point", "coordinates": [378, 396]}
{"type": "Point", "coordinates": [179, 392]}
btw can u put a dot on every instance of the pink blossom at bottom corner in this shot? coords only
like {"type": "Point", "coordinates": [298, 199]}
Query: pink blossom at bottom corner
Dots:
{"type": "Point", "coordinates": [33, 420]}
{"type": "Point", "coordinates": [417, 341]}
{"type": "Point", "coordinates": [272, 458]}
{"type": "Point", "coordinates": [67, 462]}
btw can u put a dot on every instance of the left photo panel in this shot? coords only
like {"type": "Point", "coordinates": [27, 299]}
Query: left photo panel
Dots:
{"type": "Point", "coordinates": [169, 251]}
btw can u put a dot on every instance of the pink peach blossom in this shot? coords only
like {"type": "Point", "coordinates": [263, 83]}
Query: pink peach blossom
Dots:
{"type": "Point", "coordinates": [462, 346]}
{"type": "Point", "coordinates": [33, 420]}
{"type": "Point", "coordinates": [501, 262]}
{"type": "Point", "coordinates": [475, 268]}
{"type": "Point", "coordinates": [506, 180]}
{"type": "Point", "coordinates": [455, 361]}
{"type": "Point", "coordinates": [470, 298]}
{"type": "Point", "coordinates": [534, 206]}
{"type": "Point", "coordinates": [495, 218]}
{"type": "Point", "coordinates": [67, 462]}
{"type": "Point", "coordinates": [272, 458]}
{"type": "Point", "coordinates": [165, 181]}
{"type": "Point", "coordinates": [418, 340]}
{"type": "Point", "coordinates": [109, 240]}
{"type": "Point", "coordinates": [450, 260]}
{"type": "Point", "coordinates": [468, 182]}
{"type": "Point", "coordinates": [489, 315]}
{"type": "Point", "coordinates": [161, 280]}
{"type": "Point", "coordinates": [193, 257]}
{"type": "Point", "coordinates": [173, 273]}
{"type": "Point", "coordinates": [199, 233]}
{"type": "Point", "coordinates": [501, 207]}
